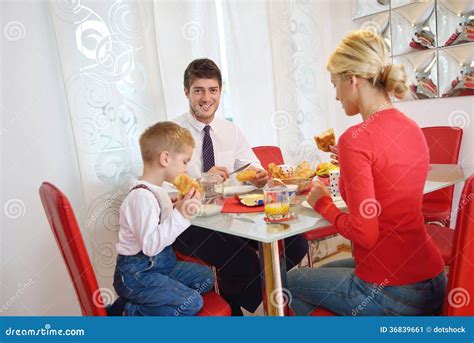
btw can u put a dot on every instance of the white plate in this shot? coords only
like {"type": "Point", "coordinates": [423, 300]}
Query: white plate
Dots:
{"type": "Point", "coordinates": [340, 204]}
{"type": "Point", "coordinates": [235, 190]}
{"type": "Point", "coordinates": [210, 210]}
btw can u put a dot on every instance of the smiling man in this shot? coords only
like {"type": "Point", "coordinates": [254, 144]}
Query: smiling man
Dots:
{"type": "Point", "coordinates": [221, 147]}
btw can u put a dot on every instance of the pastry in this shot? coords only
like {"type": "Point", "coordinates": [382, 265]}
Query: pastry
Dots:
{"type": "Point", "coordinates": [184, 184]}
{"type": "Point", "coordinates": [246, 175]}
{"type": "Point", "coordinates": [304, 171]}
{"type": "Point", "coordinates": [324, 140]}
{"type": "Point", "coordinates": [325, 168]}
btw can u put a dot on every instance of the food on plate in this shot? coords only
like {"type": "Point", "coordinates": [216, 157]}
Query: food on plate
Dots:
{"type": "Point", "coordinates": [301, 171]}
{"type": "Point", "coordinates": [282, 171]}
{"type": "Point", "coordinates": [184, 184]}
{"type": "Point", "coordinates": [246, 175]}
{"type": "Point", "coordinates": [324, 140]}
{"type": "Point", "coordinates": [251, 199]}
{"type": "Point", "coordinates": [325, 168]}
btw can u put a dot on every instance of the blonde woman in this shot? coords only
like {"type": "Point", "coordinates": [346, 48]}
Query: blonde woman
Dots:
{"type": "Point", "coordinates": [396, 269]}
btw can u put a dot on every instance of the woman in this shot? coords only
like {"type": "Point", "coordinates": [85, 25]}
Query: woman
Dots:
{"type": "Point", "coordinates": [397, 269]}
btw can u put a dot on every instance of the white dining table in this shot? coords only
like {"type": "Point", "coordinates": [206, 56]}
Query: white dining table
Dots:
{"type": "Point", "coordinates": [271, 236]}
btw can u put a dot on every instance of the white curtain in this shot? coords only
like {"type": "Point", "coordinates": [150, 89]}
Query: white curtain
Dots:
{"type": "Point", "coordinates": [276, 60]}
{"type": "Point", "coordinates": [123, 62]}
{"type": "Point", "coordinates": [185, 30]}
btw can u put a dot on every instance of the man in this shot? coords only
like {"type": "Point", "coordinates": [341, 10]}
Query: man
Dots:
{"type": "Point", "coordinates": [221, 147]}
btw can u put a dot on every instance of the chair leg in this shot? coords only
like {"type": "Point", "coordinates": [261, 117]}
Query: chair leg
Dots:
{"type": "Point", "coordinates": [310, 255]}
{"type": "Point", "coordinates": [216, 284]}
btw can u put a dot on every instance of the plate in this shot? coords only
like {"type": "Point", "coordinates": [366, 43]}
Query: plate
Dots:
{"type": "Point", "coordinates": [340, 204]}
{"type": "Point", "coordinates": [236, 190]}
{"type": "Point", "coordinates": [250, 200]}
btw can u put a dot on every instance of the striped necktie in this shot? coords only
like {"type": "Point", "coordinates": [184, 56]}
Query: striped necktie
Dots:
{"type": "Point", "coordinates": [207, 150]}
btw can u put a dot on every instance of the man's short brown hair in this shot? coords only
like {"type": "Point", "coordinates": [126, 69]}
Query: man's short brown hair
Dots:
{"type": "Point", "coordinates": [164, 136]}
{"type": "Point", "coordinates": [202, 68]}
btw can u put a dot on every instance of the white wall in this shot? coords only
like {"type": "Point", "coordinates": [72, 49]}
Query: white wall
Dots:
{"type": "Point", "coordinates": [37, 145]}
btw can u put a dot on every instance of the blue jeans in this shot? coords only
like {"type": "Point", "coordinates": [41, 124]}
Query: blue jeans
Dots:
{"type": "Point", "coordinates": [160, 285]}
{"type": "Point", "coordinates": [335, 287]}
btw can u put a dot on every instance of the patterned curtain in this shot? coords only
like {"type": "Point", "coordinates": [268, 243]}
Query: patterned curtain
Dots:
{"type": "Point", "coordinates": [122, 64]}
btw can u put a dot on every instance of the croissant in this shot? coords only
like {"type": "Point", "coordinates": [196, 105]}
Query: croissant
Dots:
{"type": "Point", "coordinates": [184, 184]}
{"type": "Point", "coordinates": [324, 140]}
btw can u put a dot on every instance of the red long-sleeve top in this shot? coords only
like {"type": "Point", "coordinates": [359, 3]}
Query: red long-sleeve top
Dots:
{"type": "Point", "coordinates": [384, 164]}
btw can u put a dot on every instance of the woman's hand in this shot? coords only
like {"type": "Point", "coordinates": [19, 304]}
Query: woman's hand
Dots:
{"type": "Point", "coordinates": [317, 192]}
{"type": "Point", "coordinates": [335, 154]}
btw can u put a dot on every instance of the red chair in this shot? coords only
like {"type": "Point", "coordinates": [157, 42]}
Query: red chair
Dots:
{"type": "Point", "coordinates": [69, 239]}
{"type": "Point", "coordinates": [272, 154]}
{"type": "Point", "coordinates": [460, 285]}
{"type": "Point", "coordinates": [444, 143]}
{"type": "Point", "coordinates": [268, 154]}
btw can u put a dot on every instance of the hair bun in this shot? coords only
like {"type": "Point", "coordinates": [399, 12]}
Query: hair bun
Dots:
{"type": "Point", "coordinates": [384, 72]}
{"type": "Point", "coordinates": [395, 80]}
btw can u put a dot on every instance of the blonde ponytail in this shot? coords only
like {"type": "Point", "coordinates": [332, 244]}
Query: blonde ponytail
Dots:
{"type": "Point", "coordinates": [364, 54]}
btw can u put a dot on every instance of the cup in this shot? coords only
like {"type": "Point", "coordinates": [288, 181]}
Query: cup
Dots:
{"type": "Point", "coordinates": [212, 185]}
{"type": "Point", "coordinates": [334, 183]}
{"type": "Point", "coordinates": [277, 203]}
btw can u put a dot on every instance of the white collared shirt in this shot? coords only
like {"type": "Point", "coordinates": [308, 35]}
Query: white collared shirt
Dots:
{"type": "Point", "coordinates": [231, 149]}
{"type": "Point", "coordinates": [140, 226]}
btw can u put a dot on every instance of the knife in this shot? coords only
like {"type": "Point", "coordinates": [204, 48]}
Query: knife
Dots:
{"type": "Point", "coordinates": [240, 169]}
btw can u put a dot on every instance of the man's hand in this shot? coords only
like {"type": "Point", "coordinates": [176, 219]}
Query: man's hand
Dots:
{"type": "Point", "coordinates": [222, 171]}
{"type": "Point", "coordinates": [317, 192]}
{"type": "Point", "coordinates": [261, 179]}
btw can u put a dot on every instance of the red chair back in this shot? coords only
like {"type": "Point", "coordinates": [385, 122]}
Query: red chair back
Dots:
{"type": "Point", "coordinates": [69, 239]}
{"type": "Point", "coordinates": [444, 143]}
{"type": "Point", "coordinates": [459, 299]}
{"type": "Point", "coordinates": [268, 154]}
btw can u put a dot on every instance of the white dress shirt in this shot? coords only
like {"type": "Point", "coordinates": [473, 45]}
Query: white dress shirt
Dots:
{"type": "Point", "coordinates": [231, 149]}
{"type": "Point", "coordinates": [140, 226]}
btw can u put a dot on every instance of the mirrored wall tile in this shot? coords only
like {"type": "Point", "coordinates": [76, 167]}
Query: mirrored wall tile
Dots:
{"type": "Point", "coordinates": [456, 71]}
{"type": "Point", "coordinates": [379, 24]}
{"type": "Point", "coordinates": [362, 8]}
{"type": "Point", "coordinates": [400, 3]}
{"type": "Point", "coordinates": [414, 27]}
{"type": "Point", "coordinates": [422, 74]}
{"type": "Point", "coordinates": [455, 22]}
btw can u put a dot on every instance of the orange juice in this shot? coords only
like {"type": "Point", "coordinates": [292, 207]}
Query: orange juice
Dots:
{"type": "Point", "coordinates": [277, 210]}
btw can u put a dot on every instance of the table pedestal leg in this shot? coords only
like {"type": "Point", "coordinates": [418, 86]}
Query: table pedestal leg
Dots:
{"type": "Point", "coordinates": [273, 266]}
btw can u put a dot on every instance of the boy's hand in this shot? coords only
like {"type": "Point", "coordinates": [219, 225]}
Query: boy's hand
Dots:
{"type": "Point", "coordinates": [222, 171]}
{"type": "Point", "coordinates": [190, 205]}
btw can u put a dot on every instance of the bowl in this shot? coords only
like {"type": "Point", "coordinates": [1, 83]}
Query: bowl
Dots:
{"type": "Point", "coordinates": [300, 183]}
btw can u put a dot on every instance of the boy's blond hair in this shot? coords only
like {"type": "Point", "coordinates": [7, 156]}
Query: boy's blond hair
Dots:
{"type": "Point", "coordinates": [164, 136]}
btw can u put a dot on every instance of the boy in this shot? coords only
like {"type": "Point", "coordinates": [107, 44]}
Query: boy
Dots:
{"type": "Point", "coordinates": [148, 279]}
